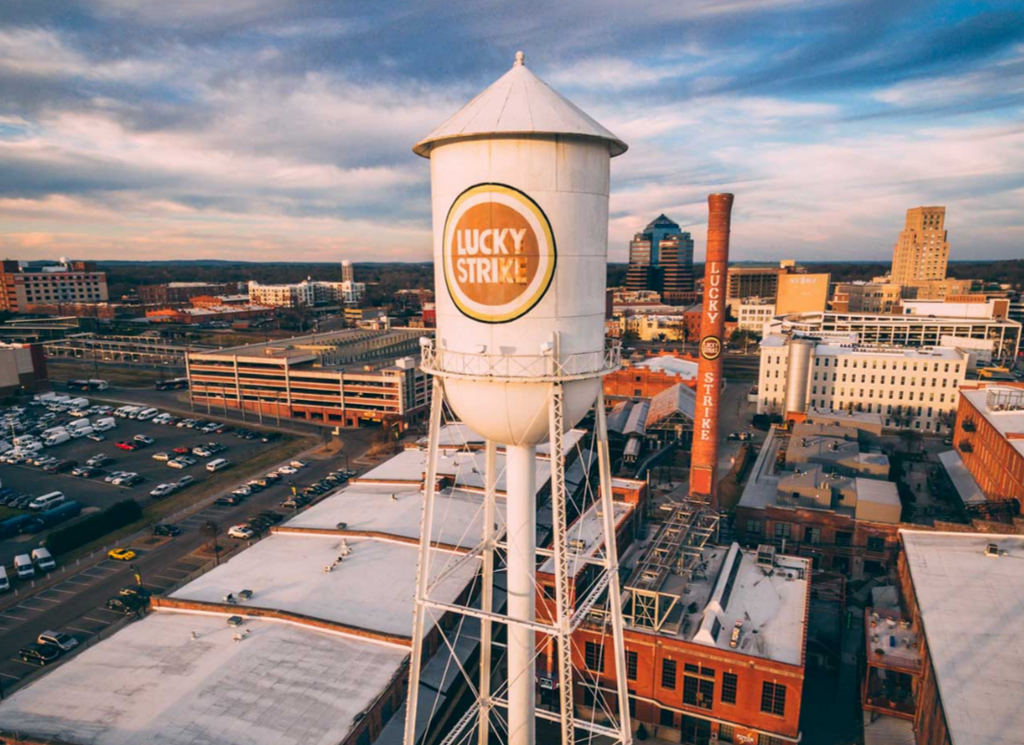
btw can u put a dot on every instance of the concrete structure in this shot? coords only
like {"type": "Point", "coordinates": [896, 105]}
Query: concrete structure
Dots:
{"type": "Point", "coordinates": [989, 436]}
{"type": "Point", "coordinates": [922, 251]}
{"type": "Point", "coordinates": [753, 313]}
{"type": "Point", "coordinates": [866, 297]}
{"type": "Point", "coordinates": [956, 649]}
{"type": "Point", "coordinates": [909, 388]}
{"type": "Point", "coordinates": [822, 491]}
{"type": "Point", "coordinates": [50, 283]}
{"type": "Point", "coordinates": [901, 330]}
{"type": "Point", "coordinates": [350, 378]}
{"type": "Point", "coordinates": [978, 307]}
{"type": "Point", "coordinates": [519, 184]}
{"type": "Point", "coordinates": [752, 281]}
{"type": "Point", "coordinates": [22, 368]}
{"type": "Point", "coordinates": [176, 294]}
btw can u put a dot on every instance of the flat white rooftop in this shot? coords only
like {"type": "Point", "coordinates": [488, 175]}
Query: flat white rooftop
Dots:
{"type": "Point", "coordinates": [1005, 422]}
{"type": "Point", "coordinates": [771, 604]}
{"type": "Point", "coordinates": [154, 683]}
{"type": "Point", "coordinates": [466, 468]}
{"type": "Point", "coordinates": [372, 588]}
{"type": "Point", "coordinates": [970, 610]}
{"type": "Point", "coordinates": [669, 364]}
{"type": "Point", "coordinates": [397, 509]}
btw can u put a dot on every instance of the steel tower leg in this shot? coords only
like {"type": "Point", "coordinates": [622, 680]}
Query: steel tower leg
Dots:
{"type": "Point", "coordinates": [423, 566]}
{"type": "Point", "coordinates": [612, 557]}
{"type": "Point", "coordinates": [521, 520]}
{"type": "Point", "coordinates": [487, 590]}
{"type": "Point", "coordinates": [563, 600]}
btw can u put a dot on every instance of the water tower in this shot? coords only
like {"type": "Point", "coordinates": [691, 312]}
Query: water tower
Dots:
{"type": "Point", "coordinates": [520, 181]}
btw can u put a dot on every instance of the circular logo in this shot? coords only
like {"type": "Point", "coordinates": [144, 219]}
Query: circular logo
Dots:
{"type": "Point", "coordinates": [499, 253]}
{"type": "Point", "coordinates": [710, 347]}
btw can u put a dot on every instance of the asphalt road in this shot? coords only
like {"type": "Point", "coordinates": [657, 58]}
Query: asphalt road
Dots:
{"type": "Point", "coordinates": [76, 603]}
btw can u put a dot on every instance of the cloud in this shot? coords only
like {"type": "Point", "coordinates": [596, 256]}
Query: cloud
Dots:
{"type": "Point", "coordinates": [255, 128]}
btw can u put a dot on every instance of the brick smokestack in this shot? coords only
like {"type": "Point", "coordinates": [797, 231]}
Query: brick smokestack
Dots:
{"type": "Point", "coordinates": [704, 463]}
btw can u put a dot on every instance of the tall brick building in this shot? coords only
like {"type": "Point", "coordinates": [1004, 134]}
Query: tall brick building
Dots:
{"type": "Point", "coordinates": [49, 282]}
{"type": "Point", "coordinates": [922, 251]}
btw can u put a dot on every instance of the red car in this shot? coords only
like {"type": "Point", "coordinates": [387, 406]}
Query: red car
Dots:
{"type": "Point", "coordinates": [183, 450]}
{"type": "Point", "coordinates": [127, 446]}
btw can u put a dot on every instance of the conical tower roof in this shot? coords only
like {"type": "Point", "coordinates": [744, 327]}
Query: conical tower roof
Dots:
{"type": "Point", "coordinates": [519, 103]}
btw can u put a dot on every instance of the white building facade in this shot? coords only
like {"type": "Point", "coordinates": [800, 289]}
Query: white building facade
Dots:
{"type": "Point", "coordinates": [909, 388]}
{"type": "Point", "coordinates": [306, 293]}
{"type": "Point", "coordinates": [753, 313]}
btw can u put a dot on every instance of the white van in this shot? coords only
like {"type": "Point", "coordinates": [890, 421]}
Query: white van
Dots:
{"type": "Point", "coordinates": [102, 425]}
{"type": "Point", "coordinates": [125, 411]}
{"type": "Point", "coordinates": [79, 403]}
{"type": "Point", "coordinates": [218, 464]}
{"type": "Point", "coordinates": [5, 584]}
{"type": "Point", "coordinates": [23, 566]}
{"type": "Point", "coordinates": [146, 414]}
{"type": "Point", "coordinates": [57, 438]}
{"type": "Point", "coordinates": [76, 423]}
{"type": "Point", "coordinates": [46, 501]}
{"type": "Point", "coordinates": [82, 432]}
{"type": "Point", "coordinates": [22, 440]}
{"type": "Point", "coordinates": [43, 560]}
{"type": "Point", "coordinates": [47, 433]}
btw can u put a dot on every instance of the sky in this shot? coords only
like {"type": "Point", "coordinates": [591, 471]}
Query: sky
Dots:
{"type": "Point", "coordinates": [269, 130]}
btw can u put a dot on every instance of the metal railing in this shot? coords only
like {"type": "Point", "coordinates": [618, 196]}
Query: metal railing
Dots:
{"type": "Point", "coordinates": [546, 367]}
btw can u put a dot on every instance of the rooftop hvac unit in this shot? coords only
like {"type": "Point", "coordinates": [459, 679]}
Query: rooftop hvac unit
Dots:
{"type": "Point", "coordinates": [766, 555]}
{"type": "Point", "coordinates": [992, 550]}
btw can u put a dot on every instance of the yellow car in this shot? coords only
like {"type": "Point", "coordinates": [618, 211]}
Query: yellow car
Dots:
{"type": "Point", "coordinates": [121, 554]}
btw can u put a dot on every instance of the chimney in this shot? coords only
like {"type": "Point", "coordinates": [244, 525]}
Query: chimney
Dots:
{"type": "Point", "coordinates": [704, 461]}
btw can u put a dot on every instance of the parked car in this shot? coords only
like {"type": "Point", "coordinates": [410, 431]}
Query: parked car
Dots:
{"type": "Point", "coordinates": [242, 491]}
{"type": "Point", "coordinates": [113, 475]}
{"type": "Point", "coordinates": [96, 437]}
{"type": "Point", "coordinates": [138, 592]}
{"type": "Point", "coordinates": [64, 642]}
{"type": "Point", "coordinates": [240, 531]}
{"type": "Point", "coordinates": [162, 457]}
{"type": "Point", "coordinates": [166, 529]}
{"type": "Point", "coordinates": [125, 445]}
{"type": "Point", "coordinates": [143, 439]}
{"type": "Point", "coordinates": [39, 654]}
{"type": "Point", "coordinates": [298, 464]}
{"type": "Point", "coordinates": [288, 470]}
{"type": "Point", "coordinates": [86, 472]}
{"type": "Point", "coordinates": [121, 554]}
{"type": "Point", "coordinates": [162, 490]}
{"type": "Point", "coordinates": [185, 481]}
{"type": "Point", "coordinates": [98, 461]}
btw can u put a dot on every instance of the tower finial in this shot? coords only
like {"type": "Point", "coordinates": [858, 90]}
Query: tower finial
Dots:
{"type": "Point", "coordinates": [520, 59]}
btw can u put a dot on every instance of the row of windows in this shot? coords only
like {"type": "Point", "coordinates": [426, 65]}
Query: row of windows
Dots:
{"type": "Point", "coordinates": [698, 680]}
{"type": "Point", "coordinates": [812, 535]}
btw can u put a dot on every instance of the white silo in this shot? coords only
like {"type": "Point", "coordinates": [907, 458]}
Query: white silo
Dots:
{"type": "Point", "coordinates": [520, 181]}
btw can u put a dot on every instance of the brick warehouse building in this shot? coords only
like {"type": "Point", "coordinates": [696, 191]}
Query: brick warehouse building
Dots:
{"type": "Point", "coordinates": [715, 635]}
{"type": "Point", "coordinates": [951, 650]}
{"type": "Point", "coordinates": [652, 376]}
{"type": "Point", "coordinates": [989, 437]}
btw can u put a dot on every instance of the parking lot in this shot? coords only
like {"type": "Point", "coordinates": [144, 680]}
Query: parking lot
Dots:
{"type": "Point", "coordinates": [95, 493]}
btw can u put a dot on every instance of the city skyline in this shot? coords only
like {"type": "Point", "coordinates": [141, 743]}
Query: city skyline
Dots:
{"type": "Point", "coordinates": [251, 130]}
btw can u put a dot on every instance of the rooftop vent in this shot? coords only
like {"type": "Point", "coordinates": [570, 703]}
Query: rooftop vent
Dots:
{"type": "Point", "coordinates": [994, 551]}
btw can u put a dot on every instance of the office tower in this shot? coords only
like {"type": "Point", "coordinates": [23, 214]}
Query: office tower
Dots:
{"type": "Point", "coordinates": [922, 251]}
{"type": "Point", "coordinates": [661, 251]}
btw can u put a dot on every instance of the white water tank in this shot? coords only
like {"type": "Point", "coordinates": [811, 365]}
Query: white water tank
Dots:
{"type": "Point", "coordinates": [520, 180]}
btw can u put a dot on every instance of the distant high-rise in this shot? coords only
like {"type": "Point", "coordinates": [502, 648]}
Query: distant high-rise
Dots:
{"type": "Point", "coordinates": [922, 251]}
{"type": "Point", "coordinates": [661, 258]}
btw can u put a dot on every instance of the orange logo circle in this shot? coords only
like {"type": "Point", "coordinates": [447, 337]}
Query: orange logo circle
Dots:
{"type": "Point", "coordinates": [710, 347]}
{"type": "Point", "coordinates": [499, 253]}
